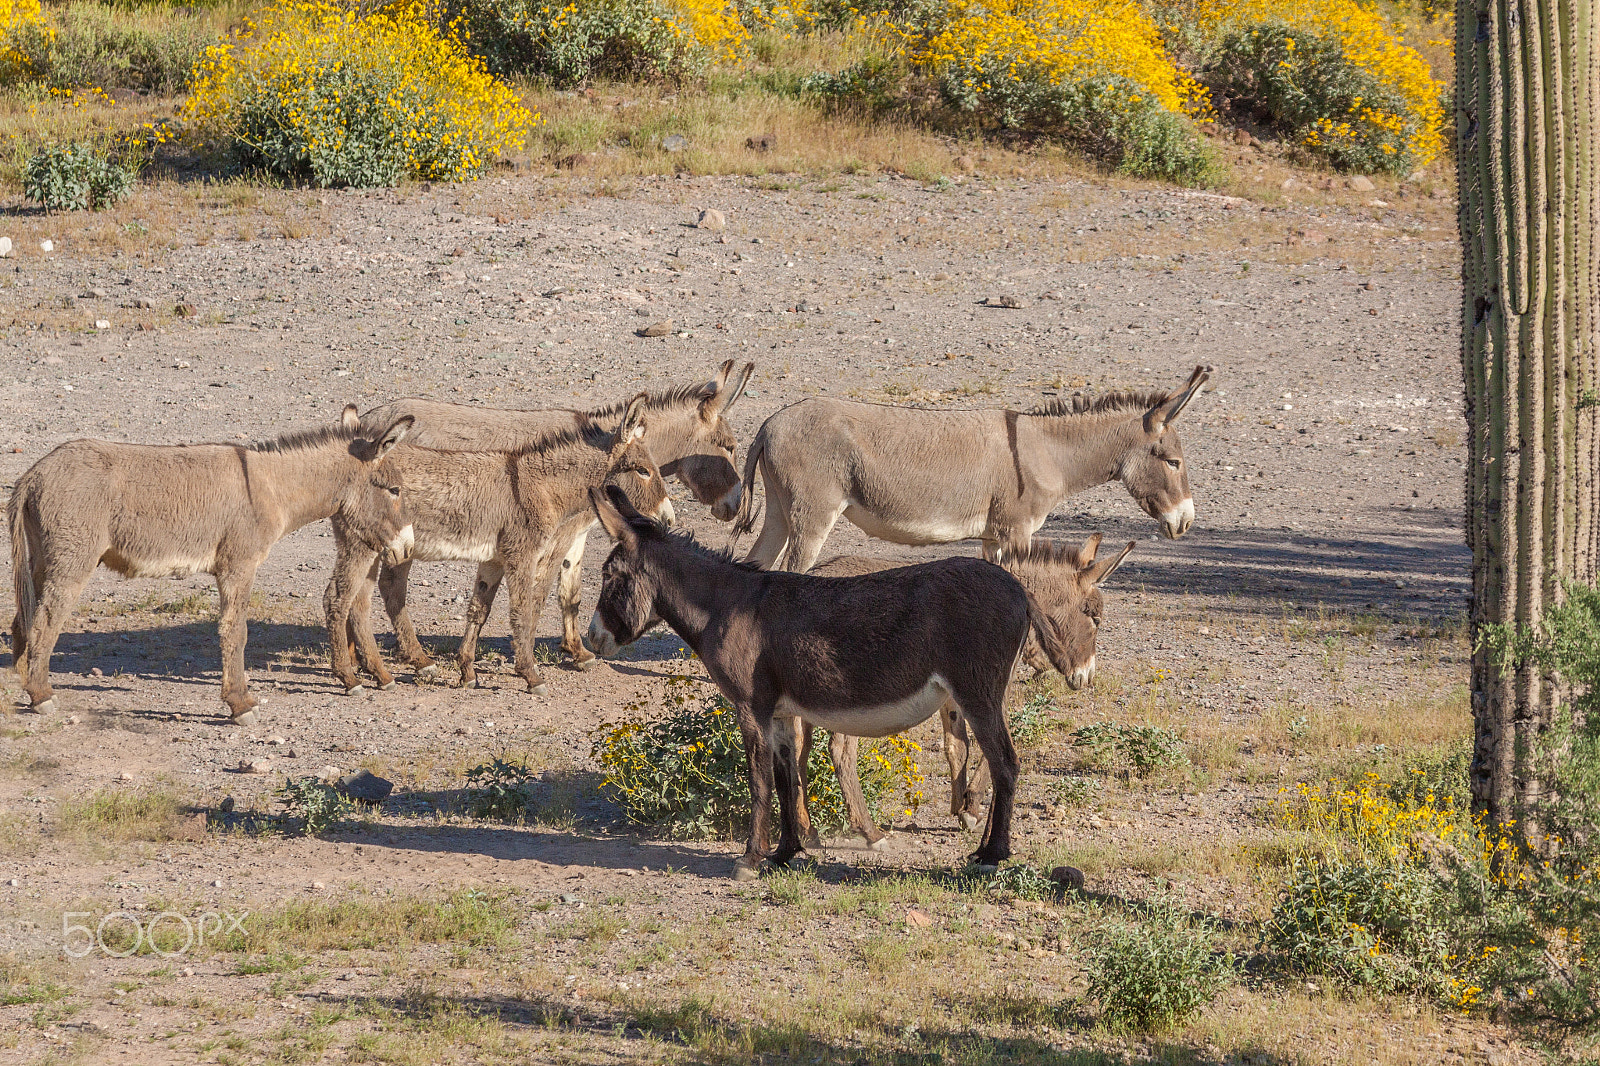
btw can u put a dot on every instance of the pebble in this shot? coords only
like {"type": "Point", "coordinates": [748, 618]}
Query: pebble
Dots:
{"type": "Point", "coordinates": [917, 919]}
{"type": "Point", "coordinates": [365, 787]}
{"type": "Point", "coordinates": [276, 740]}
{"type": "Point", "coordinates": [5, 247]}
{"type": "Point", "coordinates": [73, 719]}
{"type": "Point", "coordinates": [125, 776]}
{"type": "Point", "coordinates": [568, 897]}
{"type": "Point", "coordinates": [185, 310]}
{"type": "Point", "coordinates": [256, 766]}
{"type": "Point", "coordinates": [187, 971]}
{"type": "Point", "coordinates": [15, 883]}
{"type": "Point", "coordinates": [95, 671]}
{"type": "Point", "coordinates": [1362, 183]}
{"type": "Point", "coordinates": [318, 886]}
{"type": "Point", "coordinates": [144, 303]}
{"type": "Point", "coordinates": [47, 246]}
{"type": "Point", "coordinates": [102, 323]}
{"type": "Point", "coordinates": [328, 773]}
{"type": "Point", "coordinates": [713, 220]}
{"type": "Point", "coordinates": [1002, 301]}
{"type": "Point", "coordinates": [657, 329]}
{"type": "Point", "coordinates": [217, 883]}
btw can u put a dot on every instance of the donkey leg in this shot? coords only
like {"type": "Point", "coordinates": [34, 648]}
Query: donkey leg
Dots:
{"type": "Point", "coordinates": [350, 568]}
{"type": "Point", "coordinates": [804, 736]}
{"type": "Point", "coordinates": [484, 586]}
{"type": "Point", "coordinates": [758, 764]}
{"type": "Point", "coordinates": [985, 714]}
{"type": "Point", "coordinates": [846, 751]}
{"type": "Point", "coordinates": [774, 524]}
{"type": "Point", "coordinates": [58, 591]}
{"type": "Point", "coordinates": [791, 788]}
{"type": "Point", "coordinates": [393, 579]}
{"type": "Point", "coordinates": [956, 755]}
{"type": "Point", "coordinates": [360, 627]}
{"type": "Point", "coordinates": [810, 525]}
{"type": "Point", "coordinates": [233, 629]}
{"type": "Point", "coordinates": [526, 587]}
{"type": "Point", "coordinates": [571, 594]}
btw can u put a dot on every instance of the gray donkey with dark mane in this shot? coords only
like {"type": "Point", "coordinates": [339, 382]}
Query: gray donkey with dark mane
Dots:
{"type": "Point", "coordinates": [172, 510]}
{"type": "Point", "coordinates": [689, 438]}
{"type": "Point", "coordinates": [866, 656]}
{"type": "Point", "coordinates": [930, 477]}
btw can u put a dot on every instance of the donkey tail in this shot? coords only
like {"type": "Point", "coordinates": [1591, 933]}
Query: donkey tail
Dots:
{"type": "Point", "coordinates": [744, 521]}
{"type": "Point", "coordinates": [1044, 630]}
{"type": "Point", "coordinates": [21, 570]}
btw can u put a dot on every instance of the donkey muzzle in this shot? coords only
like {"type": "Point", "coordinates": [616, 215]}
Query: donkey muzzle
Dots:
{"type": "Point", "coordinates": [599, 639]}
{"type": "Point", "coordinates": [1082, 677]}
{"type": "Point", "coordinates": [665, 513]}
{"type": "Point", "coordinates": [400, 548]}
{"type": "Point", "coordinates": [726, 508]}
{"type": "Point", "coordinates": [1176, 522]}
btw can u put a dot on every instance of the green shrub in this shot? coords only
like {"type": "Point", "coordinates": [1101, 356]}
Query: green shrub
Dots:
{"type": "Point", "coordinates": [1075, 791]}
{"type": "Point", "coordinates": [500, 789]}
{"type": "Point", "coordinates": [686, 770]}
{"type": "Point", "coordinates": [873, 83]}
{"type": "Point", "coordinates": [1142, 748]}
{"type": "Point", "coordinates": [1383, 926]}
{"type": "Point", "coordinates": [1155, 971]}
{"type": "Point", "coordinates": [1022, 881]}
{"type": "Point", "coordinates": [319, 807]}
{"type": "Point", "coordinates": [104, 47]}
{"type": "Point", "coordinates": [78, 176]}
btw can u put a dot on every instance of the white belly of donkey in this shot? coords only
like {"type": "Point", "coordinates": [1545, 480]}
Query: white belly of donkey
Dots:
{"type": "Point", "coordinates": [881, 720]}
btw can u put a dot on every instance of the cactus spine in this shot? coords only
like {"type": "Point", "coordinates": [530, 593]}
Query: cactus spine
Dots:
{"type": "Point", "coordinates": [1527, 138]}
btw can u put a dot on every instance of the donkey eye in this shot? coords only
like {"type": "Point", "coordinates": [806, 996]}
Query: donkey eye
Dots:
{"type": "Point", "coordinates": [644, 475]}
{"type": "Point", "coordinates": [395, 492]}
{"type": "Point", "coordinates": [1174, 463]}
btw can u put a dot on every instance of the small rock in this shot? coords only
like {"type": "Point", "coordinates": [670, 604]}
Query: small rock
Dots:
{"type": "Point", "coordinates": [317, 885]}
{"type": "Point", "coordinates": [568, 897]}
{"type": "Point", "coordinates": [5, 247]}
{"type": "Point", "coordinates": [657, 329]}
{"type": "Point", "coordinates": [144, 303]}
{"type": "Point", "coordinates": [72, 719]}
{"type": "Point", "coordinates": [328, 773]}
{"type": "Point", "coordinates": [674, 142]}
{"type": "Point", "coordinates": [917, 919]}
{"type": "Point", "coordinates": [941, 276]}
{"type": "Point", "coordinates": [185, 311]}
{"type": "Point", "coordinates": [1361, 183]}
{"type": "Point", "coordinates": [226, 806]}
{"type": "Point", "coordinates": [217, 883]}
{"type": "Point", "coordinates": [713, 220]}
{"type": "Point", "coordinates": [276, 740]}
{"type": "Point", "coordinates": [1068, 876]}
{"type": "Point", "coordinates": [365, 786]}
{"type": "Point", "coordinates": [256, 766]}
{"type": "Point", "coordinates": [15, 883]}
{"type": "Point", "coordinates": [47, 246]}
{"type": "Point", "coordinates": [764, 143]}
{"type": "Point", "coordinates": [1241, 138]}
{"type": "Point", "coordinates": [95, 671]}
{"type": "Point", "coordinates": [102, 323]}
{"type": "Point", "coordinates": [1002, 301]}
{"type": "Point", "coordinates": [125, 776]}
{"type": "Point", "coordinates": [187, 971]}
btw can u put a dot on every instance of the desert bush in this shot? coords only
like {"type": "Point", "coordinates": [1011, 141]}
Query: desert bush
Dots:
{"type": "Point", "coordinates": [1092, 72]}
{"type": "Point", "coordinates": [93, 44]}
{"type": "Point", "coordinates": [872, 84]}
{"type": "Point", "coordinates": [1155, 971]}
{"type": "Point", "coordinates": [19, 21]}
{"type": "Point", "coordinates": [1143, 749]}
{"type": "Point", "coordinates": [1022, 881]}
{"type": "Point", "coordinates": [79, 175]}
{"type": "Point", "coordinates": [500, 789]}
{"type": "Point", "coordinates": [317, 806]}
{"type": "Point", "coordinates": [685, 769]}
{"type": "Point", "coordinates": [315, 91]}
{"type": "Point", "coordinates": [1334, 75]}
{"type": "Point", "coordinates": [621, 40]}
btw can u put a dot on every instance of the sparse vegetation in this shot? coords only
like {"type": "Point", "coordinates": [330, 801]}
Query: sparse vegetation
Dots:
{"type": "Point", "coordinates": [317, 806]}
{"type": "Point", "coordinates": [1157, 969]}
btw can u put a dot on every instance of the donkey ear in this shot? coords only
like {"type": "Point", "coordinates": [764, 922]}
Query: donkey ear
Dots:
{"type": "Point", "coordinates": [1106, 567]}
{"type": "Point", "coordinates": [714, 392]}
{"type": "Point", "coordinates": [615, 523]}
{"type": "Point", "coordinates": [1160, 416]}
{"type": "Point", "coordinates": [631, 427]}
{"type": "Point", "coordinates": [350, 417]}
{"type": "Point", "coordinates": [394, 435]}
{"type": "Point", "coordinates": [733, 394]}
{"type": "Point", "coordinates": [1087, 552]}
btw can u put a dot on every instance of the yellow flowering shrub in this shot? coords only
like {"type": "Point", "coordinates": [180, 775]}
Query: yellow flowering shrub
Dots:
{"type": "Point", "coordinates": [18, 19]}
{"type": "Point", "coordinates": [684, 768]}
{"type": "Point", "coordinates": [618, 39]}
{"type": "Point", "coordinates": [1335, 73]}
{"type": "Point", "coordinates": [314, 89]}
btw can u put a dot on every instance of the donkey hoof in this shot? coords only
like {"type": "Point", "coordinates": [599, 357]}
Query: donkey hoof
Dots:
{"type": "Point", "coordinates": [355, 690]}
{"type": "Point", "coordinates": [541, 689]}
{"type": "Point", "coordinates": [584, 664]}
{"type": "Point", "coordinates": [881, 844]}
{"type": "Point", "coordinates": [386, 686]}
{"type": "Point", "coordinates": [49, 706]}
{"type": "Point", "coordinates": [968, 821]}
{"type": "Point", "coordinates": [745, 872]}
{"type": "Point", "coordinates": [431, 670]}
{"type": "Point", "coordinates": [248, 718]}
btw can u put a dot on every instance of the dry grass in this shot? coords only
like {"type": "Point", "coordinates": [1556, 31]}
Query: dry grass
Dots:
{"type": "Point", "coordinates": [118, 815]}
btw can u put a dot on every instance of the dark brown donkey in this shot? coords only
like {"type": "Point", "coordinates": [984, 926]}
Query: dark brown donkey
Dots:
{"type": "Point", "coordinates": [689, 439]}
{"type": "Point", "coordinates": [168, 511]}
{"type": "Point", "coordinates": [930, 477]}
{"type": "Point", "coordinates": [504, 510]}
{"type": "Point", "coordinates": [867, 656]}
{"type": "Point", "coordinates": [1064, 582]}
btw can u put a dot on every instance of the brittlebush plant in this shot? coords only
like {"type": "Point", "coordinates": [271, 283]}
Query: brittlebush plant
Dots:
{"type": "Point", "coordinates": [319, 92]}
{"type": "Point", "coordinates": [19, 20]}
{"type": "Point", "coordinates": [682, 768]}
{"type": "Point", "coordinates": [1334, 74]}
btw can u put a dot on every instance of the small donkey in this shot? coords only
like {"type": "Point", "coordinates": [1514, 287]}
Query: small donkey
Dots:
{"type": "Point", "coordinates": [1064, 581]}
{"type": "Point", "coordinates": [512, 512]}
{"type": "Point", "coordinates": [173, 510]}
{"type": "Point", "coordinates": [867, 656]}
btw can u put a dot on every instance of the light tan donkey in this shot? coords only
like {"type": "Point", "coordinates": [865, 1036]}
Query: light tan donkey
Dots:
{"type": "Point", "coordinates": [507, 511]}
{"type": "Point", "coordinates": [1063, 582]}
{"type": "Point", "coordinates": [174, 510]}
{"type": "Point", "coordinates": [689, 438]}
{"type": "Point", "coordinates": [930, 477]}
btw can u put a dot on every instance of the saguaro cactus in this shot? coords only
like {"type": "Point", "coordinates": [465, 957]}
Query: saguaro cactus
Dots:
{"type": "Point", "coordinates": [1527, 138]}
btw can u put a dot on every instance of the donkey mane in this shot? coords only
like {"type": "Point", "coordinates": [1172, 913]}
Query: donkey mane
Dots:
{"type": "Point", "coordinates": [655, 529]}
{"type": "Point", "coordinates": [1049, 552]}
{"type": "Point", "coordinates": [305, 439]}
{"type": "Point", "coordinates": [654, 401]}
{"type": "Point", "coordinates": [1110, 403]}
